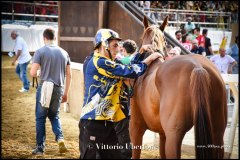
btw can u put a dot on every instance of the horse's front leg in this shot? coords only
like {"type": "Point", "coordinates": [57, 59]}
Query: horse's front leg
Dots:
{"type": "Point", "coordinates": [136, 135]}
{"type": "Point", "coordinates": [137, 129]}
{"type": "Point", "coordinates": [162, 145]}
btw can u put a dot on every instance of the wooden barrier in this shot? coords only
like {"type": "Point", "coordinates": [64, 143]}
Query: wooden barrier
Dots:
{"type": "Point", "coordinates": [76, 95]}
{"type": "Point", "coordinates": [232, 81]}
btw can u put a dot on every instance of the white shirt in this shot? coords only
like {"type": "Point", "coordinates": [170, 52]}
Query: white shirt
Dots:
{"type": "Point", "coordinates": [147, 4]}
{"type": "Point", "coordinates": [222, 63]}
{"type": "Point", "coordinates": [20, 44]}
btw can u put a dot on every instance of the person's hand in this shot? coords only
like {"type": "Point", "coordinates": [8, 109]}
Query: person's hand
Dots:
{"type": "Point", "coordinates": [155, 55]}
{"type": "Point", "coordinates": [146, 47]}
{"type": "Point", "coordinates": [151, 58]}
{"type": "Point", "coordinates": [13, 63]}
{"type": "Point", "coordinates": [229, 71]}
{"type": "Point", "coordinates": [64, 98]}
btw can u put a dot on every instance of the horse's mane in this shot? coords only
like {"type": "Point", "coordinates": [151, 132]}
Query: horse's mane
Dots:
{"type": "Point", "coordinates": [158, 40]}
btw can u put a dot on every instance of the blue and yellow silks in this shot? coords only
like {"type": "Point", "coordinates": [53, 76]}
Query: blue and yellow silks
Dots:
{"type": "Point", "coordinates": [101, 98]}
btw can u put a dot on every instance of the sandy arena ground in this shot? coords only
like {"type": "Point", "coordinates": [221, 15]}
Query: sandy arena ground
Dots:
{"type": "Point", "coordinates": [18, 124]}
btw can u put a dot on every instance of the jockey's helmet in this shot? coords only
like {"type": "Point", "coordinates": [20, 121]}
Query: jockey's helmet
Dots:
{"type": "Point", "coordinates": [103, 35]}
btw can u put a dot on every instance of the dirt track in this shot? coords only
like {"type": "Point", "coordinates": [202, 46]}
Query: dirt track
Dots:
{"type": "Point", "coordinates": [18, 121]}
{"type": "Point", "coordinates": [18, 124]}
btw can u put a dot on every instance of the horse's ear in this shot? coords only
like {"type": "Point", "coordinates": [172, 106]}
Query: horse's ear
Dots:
{"type": "Point", "coordinates": [164, 24]}
{"type": "Point", "coordinates": [145, 22]}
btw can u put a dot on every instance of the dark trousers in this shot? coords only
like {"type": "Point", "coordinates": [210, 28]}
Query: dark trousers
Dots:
{"type": "Point", "coordinates": [98, 139]}
{"type": "Point", "coordinates": [122, 131]}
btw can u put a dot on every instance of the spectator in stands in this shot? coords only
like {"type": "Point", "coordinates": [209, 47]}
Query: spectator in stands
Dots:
{"type": "Point", "coordinates": [208, 45]}
{"type": "Point", "coordinates": [178, 36]}
{"type": "Point", "coordinates": [173, 52]}
{"type": "Point", "coordinates": [189, 26]}
{"type": "Point", "coordinates": [147, 5]}
{"type": "Point", "coordinates": [23, 58]}
{"type": "Point", "coordinates": [197, 49]}
{"type": "Point", "coordinates": [54, 63]}
{"type": "Point", "coordinates": [223, 62]}
{"type": "Point", "coordinates": [183, 32]}
{"type": "Point", "coordinates": [233, 51]}
{"type": "Point", "coordinates": [188, 43]}
{"type": "Point", "coordinates": [199, 37]}
{"type": "Point", "coordinates": [43, 12]}
{"type": "Point", "coordinates": [168, 48]}
{"type": "Point", "coordinates": [189, 5]}
{"type": "Point", "coordinates": [191, 35]}
{"type": "Point", "coordinates": [140, 4]}
{"type": "Point", "coordinates": [150, 14]}
{"type": "Point", "coordinates": [19, 8]}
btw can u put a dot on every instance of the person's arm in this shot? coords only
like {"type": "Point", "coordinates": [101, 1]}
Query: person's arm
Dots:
{"type": "Point", "coordinates": [210, 46]}
{"type": "Point", "coordinates": [115, 70]}
{"type": "Point", "coordinates": [210, 50]}
{"type": "Point", "coordinates": [230, 67]}
{"type": "Point", "coordinates": [151, 58]}
{"type": "Point", "coordinates": [16, 57]}
{"type": "Point", "coordinates": [146, 48]}
{"type": "Point", "coordinates": [68, 83]}
{"type": "Point", "coordinates": [34, 69]}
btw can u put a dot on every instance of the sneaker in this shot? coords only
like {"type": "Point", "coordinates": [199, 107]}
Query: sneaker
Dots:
{"type": "Point", "coordinates": [23, 90]}
{"type": "Point", "coordinates": [37, 151]}
{"type": "Point", "coordinates": [62, 147]}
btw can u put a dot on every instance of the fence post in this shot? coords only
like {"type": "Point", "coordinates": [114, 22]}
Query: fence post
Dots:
{"type": "Point", "coordinates": [34, 12]}
{"type": "Point", "coordinates": [12, 11]}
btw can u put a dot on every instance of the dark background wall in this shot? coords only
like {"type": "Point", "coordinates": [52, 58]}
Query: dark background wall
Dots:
{"type": "Point", "coordinates": [80, 20]}
{"type": "Point", "coordinates": [78, 24]}
{"type": "Point", "coordinates": [123, 22]}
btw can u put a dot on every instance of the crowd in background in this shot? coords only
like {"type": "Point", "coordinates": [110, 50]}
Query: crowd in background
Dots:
{"type": "Point", "coordinates": [215, 6]}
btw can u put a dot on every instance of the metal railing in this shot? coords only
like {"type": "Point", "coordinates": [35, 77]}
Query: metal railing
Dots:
{"type": "Point", "coordinates": [28, 17]}
{"type": "Point", "coordinates": [220, 20]}
{"type": "Point", "coordinates": [139, 14]}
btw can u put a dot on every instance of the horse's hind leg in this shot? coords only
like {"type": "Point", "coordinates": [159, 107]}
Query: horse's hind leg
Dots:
{"type": "Point", "coordinates": [162, 145]}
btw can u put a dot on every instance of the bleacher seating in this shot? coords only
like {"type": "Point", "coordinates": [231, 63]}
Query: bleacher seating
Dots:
{"type": "Point", "coordinates": [29, 12]}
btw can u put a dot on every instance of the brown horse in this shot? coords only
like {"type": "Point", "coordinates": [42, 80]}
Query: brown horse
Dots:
{"type": "Point", "coordinates": [174, 95]}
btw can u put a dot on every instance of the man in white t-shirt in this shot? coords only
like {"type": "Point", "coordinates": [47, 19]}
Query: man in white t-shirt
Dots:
{"type": "Point", "coordinates": [223, 62]}
{"type": "Point", "coordinates": [23, 58]}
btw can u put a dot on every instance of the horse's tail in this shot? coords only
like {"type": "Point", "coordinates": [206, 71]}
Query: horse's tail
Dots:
{"type": "Point", "coordinates": [200, 85]}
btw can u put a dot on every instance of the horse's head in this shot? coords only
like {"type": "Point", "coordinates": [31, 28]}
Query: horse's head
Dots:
{"type": "Point", "coordinates": [153, 34]}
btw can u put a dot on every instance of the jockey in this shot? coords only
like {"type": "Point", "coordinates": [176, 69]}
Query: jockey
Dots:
{"type": "Point", "coordinates": [101, 108]}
